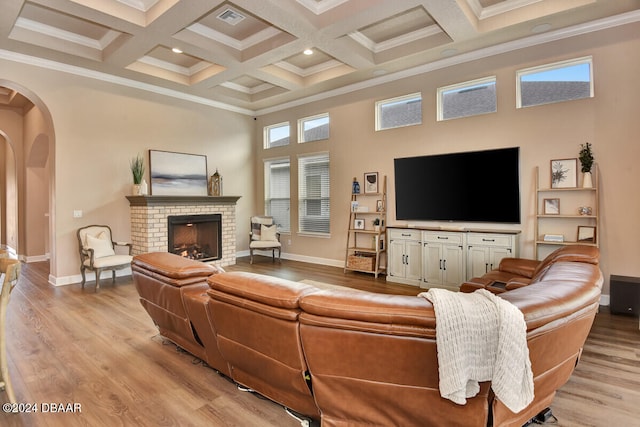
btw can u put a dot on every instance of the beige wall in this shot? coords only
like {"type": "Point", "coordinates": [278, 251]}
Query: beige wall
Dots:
{"type": "Point", "coordinates": [12, 129]}
{"type": "Point", "coordinates": [608, 121]}
{"type": "Point", "coordinates": [99, 127]}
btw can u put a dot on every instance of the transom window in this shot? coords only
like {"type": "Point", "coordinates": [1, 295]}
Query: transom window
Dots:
{"type": "Point", "coordinates": [313, 128]}
{"type": "Point", "coordinates": [467, 99]}
{"type": "Point", "coordinates": [560, 81]}
{"type": "Point", "coordinates": [398, 112]}
{"type": "Point", "coordinates": [276, 135]}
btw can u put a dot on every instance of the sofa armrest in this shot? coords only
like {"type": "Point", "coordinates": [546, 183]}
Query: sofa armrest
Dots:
{"type": "Point", "coordinates": [519, 266]}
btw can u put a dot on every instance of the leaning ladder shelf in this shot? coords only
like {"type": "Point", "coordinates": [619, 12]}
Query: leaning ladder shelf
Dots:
{"type": "Point", "coordinates": [581, 195]}
{"type": "Point", "coordinates": [366, 247]}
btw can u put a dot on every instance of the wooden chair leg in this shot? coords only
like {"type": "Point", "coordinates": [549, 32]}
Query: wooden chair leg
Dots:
{"type": "Point", "coordinates": [98, 272]}
{"type": "Point", "coordinates": [113, 276]}
{"type": "Point", "coordinates": [84, 279]}
{"type": "Point", "coordinates": [250, 256]}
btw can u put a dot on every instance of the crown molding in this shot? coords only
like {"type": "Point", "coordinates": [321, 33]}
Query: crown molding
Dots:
{"type": "Point", "coordinates": [122, 81]}
{"type": "Point", "coordinates": [538, 39]}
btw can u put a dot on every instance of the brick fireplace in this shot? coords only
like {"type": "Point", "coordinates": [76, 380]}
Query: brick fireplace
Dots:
{"type": "Point", "coordinates": [149, 221]}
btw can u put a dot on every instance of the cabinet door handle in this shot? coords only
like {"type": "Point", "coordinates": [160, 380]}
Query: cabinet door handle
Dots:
{"type": "Point", "coordinates": [488, 240]}
{"type": "Point", "coordinates": [405, 235]}
{"type": "Point", "coordinates": [444, 265]}
{"type": "Point", "coordinates": [443, 238]}
{"type": "Point", "coordinates": [486, 267]}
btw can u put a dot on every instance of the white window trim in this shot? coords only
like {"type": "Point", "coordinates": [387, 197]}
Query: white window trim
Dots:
{"type": "Point", "coordinates": [301, 121]}
{"type": "Point", "coordinates": [458, 86]}
{"type": "Point", "coordinates": [265, 133]}
{"type": "Point", "coordinates": [379, 104]}
{"type": "Point", "coordinates": [553, 66]}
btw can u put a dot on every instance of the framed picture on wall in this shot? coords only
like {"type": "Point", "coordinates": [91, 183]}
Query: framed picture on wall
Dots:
{"type": "Point", "coordinates": [358, 224]}
{"type": "Point", "coordinates": [552, 206]}
{"type": "Point", "coordinates": [564, 173]}
{"type": "Point", "coordinates": [371, 183]}
{"type": "Point", "coordinates": [178, 174]}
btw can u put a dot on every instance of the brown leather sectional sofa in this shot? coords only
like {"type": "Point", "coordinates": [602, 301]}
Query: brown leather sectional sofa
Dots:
{"type": "Point", "coordinates": [352, 358]}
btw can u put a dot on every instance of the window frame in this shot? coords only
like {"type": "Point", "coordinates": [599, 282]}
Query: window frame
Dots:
{"type": "Point", "coordinates": [267, 163]}
{"type": "Point", "coordinates": [266, 141]}
{"type": "Point", "coordinates": [470, 84]}
{"type": "Point", "coordinates": [550, 67]}
{"type": "Point", "coordinates": [301, 131]}
{"type": "Point", "coordinates": [395, 100]}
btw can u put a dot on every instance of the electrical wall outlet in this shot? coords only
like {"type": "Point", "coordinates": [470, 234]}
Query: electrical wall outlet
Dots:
{"type": "Point", "coordinates": [77, 214]}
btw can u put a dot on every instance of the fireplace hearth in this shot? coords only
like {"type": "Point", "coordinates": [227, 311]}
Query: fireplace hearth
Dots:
{"type": "Point", "coordinates": [197, 237]}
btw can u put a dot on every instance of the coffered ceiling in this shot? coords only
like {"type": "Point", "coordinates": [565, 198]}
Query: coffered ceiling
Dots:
{"type": "Point", "coordinates": [248, 55]}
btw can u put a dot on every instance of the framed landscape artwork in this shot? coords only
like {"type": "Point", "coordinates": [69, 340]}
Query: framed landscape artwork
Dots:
{"type": "Point", "coordinates": [177, 174]}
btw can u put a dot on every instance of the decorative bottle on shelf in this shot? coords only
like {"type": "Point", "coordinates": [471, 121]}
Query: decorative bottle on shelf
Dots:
{"type": "Point", "coordinates": [355, 188]}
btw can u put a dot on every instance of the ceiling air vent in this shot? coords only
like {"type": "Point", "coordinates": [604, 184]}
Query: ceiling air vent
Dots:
{"type": "Point", "coordinates": [231, 17]}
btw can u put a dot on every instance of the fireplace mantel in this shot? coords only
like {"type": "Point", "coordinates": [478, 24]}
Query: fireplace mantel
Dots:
{"type": "Point", "coordinates": [181, 200]}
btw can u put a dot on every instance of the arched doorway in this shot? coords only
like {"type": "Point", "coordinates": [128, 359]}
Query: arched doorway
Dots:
{"type": "Point", "coordinates": [27, 179]}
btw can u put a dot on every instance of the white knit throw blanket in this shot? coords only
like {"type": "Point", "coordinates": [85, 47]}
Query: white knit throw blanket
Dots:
{"type": "Point", "coordinates": [481, 337]}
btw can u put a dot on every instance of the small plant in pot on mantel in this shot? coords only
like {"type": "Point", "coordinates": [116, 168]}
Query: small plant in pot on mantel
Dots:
{"type": "Point", "coordinates": [586, 160]}
{"type": "Point", "coordinates": [137, 170]}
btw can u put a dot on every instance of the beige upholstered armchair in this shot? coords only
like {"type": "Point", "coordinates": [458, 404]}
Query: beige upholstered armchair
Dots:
{"type": "Point", "coordinates": [264, 236]}
{"type": "Point", "coordinates": [97, 252]}
{"type": "Point", "coordinates": [10, 268]}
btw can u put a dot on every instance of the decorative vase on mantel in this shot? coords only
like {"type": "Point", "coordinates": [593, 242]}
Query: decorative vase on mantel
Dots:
{"type": "Point", "coordinates": [136, 190]}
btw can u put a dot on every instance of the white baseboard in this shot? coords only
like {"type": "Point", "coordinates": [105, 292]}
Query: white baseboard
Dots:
{"type": "Point", "coordinates": [294, 257]}
{"type": "Point", "coordinates": [34, 258]}
{"type": "Point", "coordinates": [91, 277]}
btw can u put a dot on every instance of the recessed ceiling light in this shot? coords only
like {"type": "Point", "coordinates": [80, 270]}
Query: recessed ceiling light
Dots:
{"type": "Point", "coordinates": [176, 50]}
{"type": "Point", "coordinates": [308, 52]}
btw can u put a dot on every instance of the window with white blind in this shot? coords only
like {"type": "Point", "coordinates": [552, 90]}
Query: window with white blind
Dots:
{"type": "Point", "coordinates": [277, 200]}
{"type": "Point", "coordinates": [314, 128]}
{"type": "Point", "coordinates": [313, 194]}
{"type": "Point", "coordinates": [276, 135]}
{"type": "Point", "coordinates": [560, 81]}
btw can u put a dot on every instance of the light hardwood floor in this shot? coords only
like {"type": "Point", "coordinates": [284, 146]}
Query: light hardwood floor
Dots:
{"type": "Point", "coordinates": [101, 351]}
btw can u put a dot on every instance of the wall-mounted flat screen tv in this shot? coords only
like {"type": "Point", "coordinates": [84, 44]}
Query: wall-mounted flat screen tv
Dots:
{"type": "Point", "coordinates": [475, 186]}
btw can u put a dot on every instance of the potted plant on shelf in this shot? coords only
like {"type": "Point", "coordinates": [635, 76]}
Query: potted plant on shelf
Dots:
{"type": "Point", "coordinates": [586, 160]}
{"type": "Point", "coordinates": [137, 170]}
{"type": "Point", "coordinates": [376, 224]}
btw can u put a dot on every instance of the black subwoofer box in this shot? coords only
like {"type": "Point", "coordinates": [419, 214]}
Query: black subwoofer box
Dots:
{"type": "Point", "coordinates": [625, 294]}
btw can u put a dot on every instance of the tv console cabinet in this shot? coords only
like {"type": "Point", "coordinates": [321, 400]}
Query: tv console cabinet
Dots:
{"type": "Point", "coordinates": [435, 257]}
